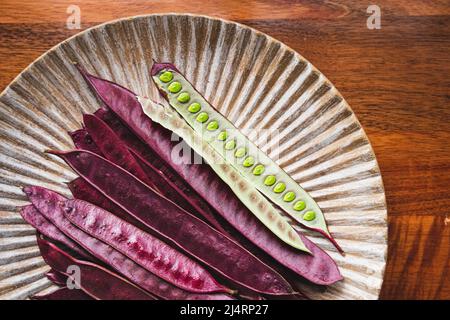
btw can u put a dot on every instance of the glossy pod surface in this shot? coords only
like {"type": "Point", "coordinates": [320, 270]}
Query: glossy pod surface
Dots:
{"type": "Point", "coordinates": [177, 225]}
{"type": "Point", "coordinates": [242, 146]}
{"type": "Point", "coordinates": [50, 205]}
{"type": "Point", "coordinates": [147, 251]}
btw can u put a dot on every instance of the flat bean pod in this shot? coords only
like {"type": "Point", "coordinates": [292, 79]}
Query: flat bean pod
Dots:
{"type": "Point", "coordinates": [84, 191]}
{"type": "Point", "coordinates": [260, 170]}
{"type": "Point", "coordinates": [318, 268]}
{"type": "Point", "coordinates": [50, 205]}
{"type": "Point", "coordinates": [176, 225]}
{"type": "Point", "coordinates": [95, 280]}
{"type": "Point", "coordinates": [149, 252]}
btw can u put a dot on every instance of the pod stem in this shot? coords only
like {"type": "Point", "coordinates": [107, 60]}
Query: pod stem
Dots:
{"type": "Point", "coordinates": [56, 152]}
{"type": "Point", "coordinates": [329, 237]}
{"type": "Point", "coordinates": [232, 292]}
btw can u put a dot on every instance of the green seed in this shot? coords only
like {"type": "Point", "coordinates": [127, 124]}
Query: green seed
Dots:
{"type": "Point", "coordinates": [213, 125]}
{"type": "Point", "coordinates": [222, 136]}
{"type": "Point", "coordinates": [230, 145]}
{"type": "Point", "coordinates": [309, 215]}
{"type": "Point", "coordinates": [240, 152]}
{"type": "Point", "coordinates": [184, 97]}
{"type": "Point", "coordinates": [202, 117]}
{"type": "Point", "coordinates": [269, 180]}
{"type": "Point", "coordinates": [279, 188]}
{"type": "Point", "coordinates": [258, 170]}
{"type": "Point", "coordinates": [166, 76]}
{"type": "Point", "coordinates": [194, 107]}
{"type": "Point", "coordinates": [248, 162]}
{"type": "Point", "coordinates": [174, 87]}
{"type": "Point", "coordinates": [289, 196]}
{"type": "Point", "coordinates": [299, 205]}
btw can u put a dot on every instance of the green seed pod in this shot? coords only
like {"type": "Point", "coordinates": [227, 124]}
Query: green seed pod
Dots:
{"type": "Point", "coordinates": [174, 87]}
{"type": "Point", "coordinates": [183, 97]}
{"type": "Point", "coordinates": [309, 216]}
{"type": "Point", "coordinates": [202, 117]}
{"type": "Point", "coordinates": [258, 170]}
{"type": "Point", "coordinates": [222, 136]}
{"type": "Point", "coordinates": [194, 107]}
{"type": "Point", "coordinates": [240, 152]}
{"type": "Point", "coordinates": [299, 205]}
{"type": "Point", "coordinates": [243, 189]}
{"type": "Point", "coordinates": [271, 168]}
{"type": "Point", "coordinates": [289, 196]}
{"type": "Point", "coordinates": [248, 162]}
{"type": "Point", "coordinates": [166, 76]}
{"type": "Point", "coordinates": [212, 126]}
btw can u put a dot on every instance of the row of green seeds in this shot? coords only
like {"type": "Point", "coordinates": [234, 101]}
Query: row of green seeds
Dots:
{"type": "Point", "coordinates": [248, 162]}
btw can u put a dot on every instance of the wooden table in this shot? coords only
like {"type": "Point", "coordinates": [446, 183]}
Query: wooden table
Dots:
{"type": "Point", "coordinates": [396, 79]}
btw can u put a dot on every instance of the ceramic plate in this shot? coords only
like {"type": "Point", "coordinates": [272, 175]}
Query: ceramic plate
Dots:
{"type": "Point", "coordinates": [254, 80]}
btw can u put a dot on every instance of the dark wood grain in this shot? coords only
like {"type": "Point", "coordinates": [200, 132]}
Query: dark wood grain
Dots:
{"type": "Point", "coordinates": [396, 79]}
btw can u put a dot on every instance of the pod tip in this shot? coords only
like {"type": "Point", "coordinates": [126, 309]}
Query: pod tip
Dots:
{"type": "Point", "coordinates": [327, 235]}
{"type": "Point", "coordinates": [302, 247]}
{"type": "Point", "coordinates": [87, 117]}
{"type": "Point", "coordinates": [334, 242]}
{"type": "Point", "coordinates": [27, 190]}
{"type": "Point", "coordinates": [232, 292]}
{"type": "Point", "coordinates": [158, 66]}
